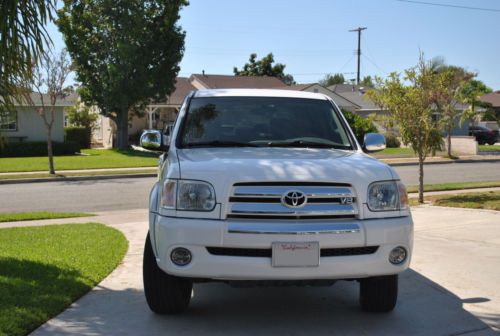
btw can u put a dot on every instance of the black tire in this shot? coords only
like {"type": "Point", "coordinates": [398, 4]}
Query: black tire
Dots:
{"type": "Point", "coordinates": [491, 143]}
{"type": "Point", "coordinates": [165, 294]}
{"type": "Point", "coordinates": [378, 294]}
{"type": "Point", "coordinates": [482, 142]}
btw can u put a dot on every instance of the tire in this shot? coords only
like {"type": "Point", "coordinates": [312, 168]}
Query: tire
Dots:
{"type": "Point", "coordinates": [491, 143]}
{"type": "Point", "coordinates": [378, 294]}
{"type": "Point", "coordinates": [165, 294]}
{"type": "Point", "coordinates": [482, 142]}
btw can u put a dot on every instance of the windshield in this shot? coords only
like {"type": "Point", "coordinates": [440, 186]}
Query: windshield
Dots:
{"type": "Point", "coordinates": [263, 122]}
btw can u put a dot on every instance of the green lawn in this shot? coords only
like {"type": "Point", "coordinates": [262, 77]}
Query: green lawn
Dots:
{"type": "Point", "coordinates": [485, 148]}
{"type": "Point", "coordinates": [484, 200]}
{"type": "Point", "coordinates": [455, 186]}
{"type": "Point", "coordinates": [24, 216]}
{"type": "Point", "coordinates": [44, 269]}
{"type": "Point", "coordinates": [397, 152]}
{"type": "Point", "coordinates": [95, 158]}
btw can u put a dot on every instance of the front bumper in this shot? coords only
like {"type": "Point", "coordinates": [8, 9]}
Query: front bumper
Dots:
{"type": "Point", "coordinates": [197, 234]}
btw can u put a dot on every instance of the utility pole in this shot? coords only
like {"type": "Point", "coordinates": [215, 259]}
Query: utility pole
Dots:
{"type": "Point", "coordinates": [359, 30]}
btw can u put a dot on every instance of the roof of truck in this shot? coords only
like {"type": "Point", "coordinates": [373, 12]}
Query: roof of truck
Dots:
{"type": "Point", "coordinates": [258, 93]}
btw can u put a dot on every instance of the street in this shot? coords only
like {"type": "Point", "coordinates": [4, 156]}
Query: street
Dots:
{"type": "Point", "coordinates": [125, 194]}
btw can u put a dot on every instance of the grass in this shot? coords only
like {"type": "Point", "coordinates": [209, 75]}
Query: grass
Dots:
{"type": "Point", "coordinates": [71, 174]}
{"type": "Point", "coordinates": [44, 269]}
{"type": "Point", "coordinates": [24, 216]}
{"type": "Point", "coordinates": [482, 200]}
{"type": "Point", "coordinates": [94, 159]}
{"type": "Point", "coordinates": [485, 148]}
{"type": "Point", "coordinates": [455, 186]}
{"type": "Point", "coordinates": [397, 152]}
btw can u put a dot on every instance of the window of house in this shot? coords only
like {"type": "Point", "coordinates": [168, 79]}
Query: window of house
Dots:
{"type": "Point", "coordinates": [8, 121]}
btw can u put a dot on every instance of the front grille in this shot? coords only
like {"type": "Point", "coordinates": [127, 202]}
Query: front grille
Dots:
{"type": "Point", "coordinates": [265, 200]}
{"type": "Point", "coordinates": [267, 253]}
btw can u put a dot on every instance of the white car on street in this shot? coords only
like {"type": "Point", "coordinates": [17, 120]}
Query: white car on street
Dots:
{"type": "Point", "coordinates": [270, 187]}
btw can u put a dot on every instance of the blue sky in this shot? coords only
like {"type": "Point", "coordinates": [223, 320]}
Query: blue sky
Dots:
{"type": "Point", "coordinates": [312, 38]}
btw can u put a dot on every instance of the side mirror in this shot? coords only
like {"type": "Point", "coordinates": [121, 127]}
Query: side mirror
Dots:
{"type": "Point", "coordinates": [152, 139]}
{"type": "Point", "coordinates": [374, 142]}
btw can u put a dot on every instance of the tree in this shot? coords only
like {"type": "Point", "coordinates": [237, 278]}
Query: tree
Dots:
{"type": "Point", "coordinates": [48, 81]}
{"type": "Point", "coordinates": [469, 94]}
{"type": "Point", "coordinates": [264, 67]}
{"type": "Point", "coordinates": [367, 82]}
{"type": "Point", "coordinates": [409, 100]}
{"type": "Point", "coordinates": [23, 41]}
{"type": "Point", "coordinates": [81, 115]}
{"type": "Point", "coordinates": [330, 80]}
{"type": "Point", "coordinates": [126, 53]}
{"type": "Point", "coordinates": [359, 125]}
{"type": "Point", "coordinates": [451, 80]}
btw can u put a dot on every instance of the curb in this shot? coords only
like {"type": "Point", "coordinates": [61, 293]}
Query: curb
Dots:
{"type": "Point", "coordinates": [400, 164]}
{"type": "Point", "coordinates": [77, 178]}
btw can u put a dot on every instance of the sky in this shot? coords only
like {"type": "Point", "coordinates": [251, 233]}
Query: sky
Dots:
{"type": "Point", "coordinates": [312, 37]}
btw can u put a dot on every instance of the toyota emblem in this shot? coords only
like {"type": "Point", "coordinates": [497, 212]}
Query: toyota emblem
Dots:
{"type": "Point", "coordinates": [294, 199]}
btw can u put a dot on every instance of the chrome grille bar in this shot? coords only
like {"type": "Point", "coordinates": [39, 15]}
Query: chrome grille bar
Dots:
{"type": "Point", "coordinates": [324, 209]}
{"type": "Point", "coordinates": [277, 191]}
{"type": "Point", "coordinates": [328, 200]}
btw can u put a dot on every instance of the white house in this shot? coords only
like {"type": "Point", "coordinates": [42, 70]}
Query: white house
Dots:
{"type": "Point", "coordinates": [23, 123]}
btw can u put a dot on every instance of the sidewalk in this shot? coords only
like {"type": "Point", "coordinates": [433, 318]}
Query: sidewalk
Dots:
{"type": "Point", "coordinates": [406, 161]}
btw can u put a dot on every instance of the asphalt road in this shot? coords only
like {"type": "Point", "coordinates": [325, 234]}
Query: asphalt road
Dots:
{"type": "Point", "coordinates": [125, 194]}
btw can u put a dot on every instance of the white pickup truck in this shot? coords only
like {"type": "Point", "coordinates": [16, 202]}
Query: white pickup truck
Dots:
{"type": "Point", "coordinates": [270, 187]}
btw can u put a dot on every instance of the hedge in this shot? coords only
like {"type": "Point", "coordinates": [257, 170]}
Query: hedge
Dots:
{"type": "Point", "coordinates": [80, 135]}
{"type": "Point", "coordinates": [25, 149]}
{"type": "Point", "coordinates": [392, 141]}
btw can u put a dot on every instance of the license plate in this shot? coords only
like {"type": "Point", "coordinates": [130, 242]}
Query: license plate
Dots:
{"type": "Point", "coordinates": [295, 254]}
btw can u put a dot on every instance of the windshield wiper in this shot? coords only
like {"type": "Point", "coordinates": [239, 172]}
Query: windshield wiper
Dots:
{"type": "Point", "coordinates": [306, 143]}
{"type": "Point", "coordinates": [219, 143]}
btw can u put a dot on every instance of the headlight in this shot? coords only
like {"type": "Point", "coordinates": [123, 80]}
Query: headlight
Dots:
{"type": "Point", "coordinates": [387, 196]}
{"type": "Point", "coordinates": [187, 195]}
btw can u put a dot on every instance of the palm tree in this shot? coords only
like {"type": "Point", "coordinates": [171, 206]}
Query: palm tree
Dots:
{"type": "Point", "coordinates": [23, 41]}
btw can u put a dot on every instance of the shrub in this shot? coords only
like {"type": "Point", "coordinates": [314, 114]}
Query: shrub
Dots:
{"type": "Point", "coordinates": [24, 149]}
{"type": "Point", "coordinates": [81, 135]}
{"type": "Point", "coordinates": [392, 141]}
{"type": "Point", "coordinates": [360, 126]}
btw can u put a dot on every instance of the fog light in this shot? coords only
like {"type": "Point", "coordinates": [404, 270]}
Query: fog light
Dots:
{"type": "Point", "coordinates": [397, 255]}
{"type": "Point", "coordinates": [180, 256]}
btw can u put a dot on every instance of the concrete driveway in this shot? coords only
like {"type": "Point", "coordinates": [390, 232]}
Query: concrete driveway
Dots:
{"type": "Point", "coordinates": [453, 288]}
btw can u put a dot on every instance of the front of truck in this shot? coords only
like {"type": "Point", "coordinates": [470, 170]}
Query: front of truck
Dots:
{"type": "Point", "coordinates": [265, 185]}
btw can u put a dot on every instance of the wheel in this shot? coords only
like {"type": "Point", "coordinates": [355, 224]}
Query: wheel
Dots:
{"type": "Point", "coordinates": [482, 142]}
{"type": "Point", "coordinates": [491, 143]}
{"type": "Point", "coordinates": [165, 294]}
{"type": "Point", "coordinates": [378, 294]}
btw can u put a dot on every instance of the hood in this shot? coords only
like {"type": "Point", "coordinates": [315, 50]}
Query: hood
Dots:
{"type": "Point", "coordinates": [225, 166]}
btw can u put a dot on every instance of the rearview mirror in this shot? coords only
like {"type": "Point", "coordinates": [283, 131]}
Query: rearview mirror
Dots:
{"type": "Point", "coordinates": [151, 139]}
{"type": "Point", "coordinates": [374, 142]}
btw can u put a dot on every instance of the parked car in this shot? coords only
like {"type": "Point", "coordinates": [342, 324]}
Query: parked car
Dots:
{"type": "Point", "coordinates": [270, 187]}
{"type": "Point", "coordinates": [484, 135]}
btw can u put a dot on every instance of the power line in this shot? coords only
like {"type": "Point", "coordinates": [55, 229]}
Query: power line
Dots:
{"type": "Point", "coordinates": [452, 6]}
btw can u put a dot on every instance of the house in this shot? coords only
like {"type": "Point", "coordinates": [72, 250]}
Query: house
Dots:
{"type": "Point", "coordinates": [493, 98]}
{"type": "Point", "coordinates": [357, 96]}
{"type": "Point", "coordinates": [343, 103]}
{"type": "Point", "coordinates": [23, 123]}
